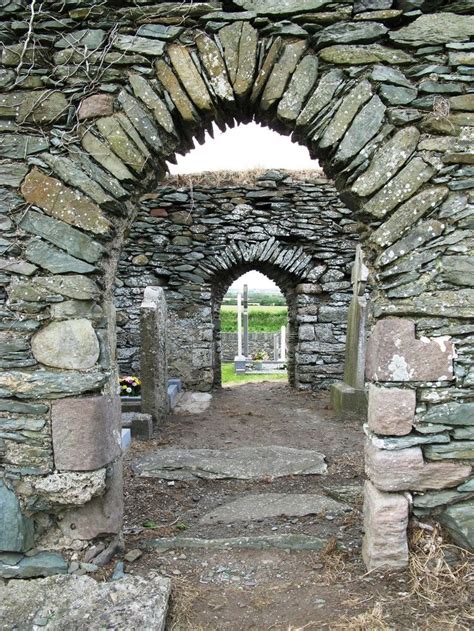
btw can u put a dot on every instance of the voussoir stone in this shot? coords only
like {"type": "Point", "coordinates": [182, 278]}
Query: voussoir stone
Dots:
{"type": "Point", "coordinates": [86, 432]}
{"type": "Point", "coordinates": [394, 354]}
{"type": "Point", "coordinates": [70, 344]}
{"type": "Point", "coordinates": [391, 411]}
{"type": "Point", "coordinates": [405, 470]}
{"type": "Point", "coordinates": [385, 541]}
{"type": "Point", "coordinates": [346, 112]}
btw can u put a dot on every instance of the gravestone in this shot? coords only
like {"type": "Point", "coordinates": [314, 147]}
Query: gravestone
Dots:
{"type": "Point", "coordinates": [349, 397]}
{"type": "Point", "coordinates": [153, 359]}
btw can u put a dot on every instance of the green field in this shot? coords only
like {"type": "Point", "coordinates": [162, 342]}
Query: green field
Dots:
{"type": "Point", "coordinates": [229, 376]}
{"type": "Point", "coordinates": [261, 319]}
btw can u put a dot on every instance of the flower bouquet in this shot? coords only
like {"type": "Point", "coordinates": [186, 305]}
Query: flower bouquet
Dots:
{"type": "Point", "coordinates": [130, 386]}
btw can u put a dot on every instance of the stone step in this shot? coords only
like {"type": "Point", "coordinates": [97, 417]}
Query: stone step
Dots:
{"type": "Point", "coordinates": [193, 403]}
{"type": "Point", "coordinates": [80, 602]}
{"type": "Point", "coordinates": [245, 463]}
{"type": "Point", "coordinates": [269, 505]}
{"type": "Point", "coordinates": [259, 542]}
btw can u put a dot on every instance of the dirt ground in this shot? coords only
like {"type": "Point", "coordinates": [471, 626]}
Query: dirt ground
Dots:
{"type": "Point", "coordinates": [276, 589]}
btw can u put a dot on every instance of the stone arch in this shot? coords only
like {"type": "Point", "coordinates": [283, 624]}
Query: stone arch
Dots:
{"type": "Point", "coordinates": [392, 139]}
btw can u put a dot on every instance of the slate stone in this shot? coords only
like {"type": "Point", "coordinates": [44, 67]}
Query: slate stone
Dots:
{"type": "Point", "coordinates": [244, 463]}
{"type": "Point", "coordinates": [271, 505]}
{"type": "Point", "coordinates": [189, 76]}
{"type": "Point", "coordinates": [70, 344]}
{"type": "Point", "coordinates": [229, 37]}
{"type": "Point", "coordinates": [385, 542]}
{"type": "Point", "coordinates": [43, 384]}
{"type": "Point", "coordinates": [179, 97]}
{"type": "Point", "coordinates": [22, 408]}
{"type": "Point", "coordinates": [44, 106]}
{"type": "Point", "coordinates": [397, 95]}
{"type": "Point", "coordinates": [144, 91]}
{"type": "Point", "coordinates": [71, 602]}
{"type": "Point", "coordinates": [458, 270]}
{"type": "Point", "coordinates": [399, 188]}
{"type": "Point", "coordinates": [143, 45]}
{"type": "Point", "coordinates": [363, 128]}
{"type": "Point", "coordinates": [368, 54]}
{"type": "Point", "coordinates": [467, 487]}
{"type": "Point", "coordinates": [432, 499]}
{"type": "Point", "coordinates": [41, 564]}
{"type": "Point", "coordinates": [414, 240]}
{"type": "Point", "coordinates": [435, 28]}
{"type": "Point", "coordinates": [459, 520]}
{"type": "Point", "coordinates": [105, 157]}
{"type": "Point", "coordinates": [321, 96]}
{"type": "Point", "coordinates": [407, 214]}
{"type": "Point", "coordinates": [214, 65]}
{"type": "Point", "coordinates": [55, 260]}
{"type": "Point", "coordinates": [350, 33]}
{"type": "Point", "coordinates": [141, 120]}
{"type": "Point", "coordinates": [63, 203]}
{"type": "Point", "coordinates": [411, 440]}
{"type": "Point", "coordinates": [121, 143]}
{"type": "Point", "coordinates": [259, 542]}
{"type": "Point", "coordinates": [405, 469]}
{"type": "Point", "coordinates": [385, 74]}
{"type": "Point", "coordinates": [346, 112]}
{"type": "Point", "coordinates": [90, 39]}
{"type": "Point", "coordinates": [452, 413]}
{"type": "Point", "coordinates": [75, 309]}
{"type": "Point", "coordinates": [391, 411]}
{"type": "Point", "coordinates": [281, 7]}
{"type": "Point", "coordinates": [266, 68]}
{"type": "Point", "coordinates": [86, 432]}
{"type": "Point", "coordinates": [96, 105]}
{"type": "Point", "coordinates": [104, 178]}
{"type": "Point", "coordinates": [19, 146]}
{"type": "Point", "coordinates": [247, 60]}
{"type": "Point", "coordinates": [16, 530]}
{"type": "Point", "coordinates": [160, 31]}
{"type": "Point", "coordinates": [301, 84]}
{"type": "Point", "coordinates": [281, 73]}
{"type": "Point", "coordinates": [394, 354]}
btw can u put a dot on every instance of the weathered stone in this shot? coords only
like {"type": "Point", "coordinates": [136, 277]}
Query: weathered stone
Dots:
{"type": "Point", "coordinates": [371, 5]}
{"type": "Point", "coordinates": [397, 95]}
{"type": "Point", "coordinates": [121, 143]}
{"type": "Point", "coordinates": [407, 214]}
{"type": "Point", "coordinates": [19, 146]}
{"type": "Point", "coordinates": [102, 516]}
{"type": "Point", "coordinates": [432, 499]}
{"type": "Point", "coordinates": [54, 260]}
{"type": "Point", "coordinates": [351, 33]}
{"type": "Point", "coordinates": [391, 410]}
{"type": "Point", "coordinates": [452, 413]}
{"type": "Point", "coordinates": [16, 530]}
{"type": "Point", "coordinates": [169, 81]}
{"type": "Point", "coordinates": [412, 241]}
{"type": "Point", "coordinates": [281, 73]}
{"type": "Point", "coordinates": [17, 267]}
{"type": "Point", "coordinates": [160, 31]}
{"type": "Point", "coordinates": [144, 91]}
{"type": "Point", "coordinates": [363, 128]}
{"type": "Point", "coordinates": [22, 408]}
{"type": "Point", "coordinates": [387, 161]}
{"type": "Point", "coordinates": [385, 74]}
{"type": "Point", "coordinates": [467, 487]}
{"type": "Point", "coordinates": [405, 469]}
{"type": "Point", "coordinates": [399, 188]}
{"type": "Point", "coordinates": [73, 602]}
{"type": "Point", "coordinates": [301, 83]}
{"type": "Point", "coordinates": [369, 54]}
{"type": "Point", "coordinates": [143, 45]}
{"type": "Point", "coordinates": [63, 488]}
{"type": "Point", "coordinates": [41, 384]}
{"type": "Point", "coordinates": [459, 520]}
{"type": "Point", "coordinates": [455, 450]}
{"type": "Point", "coordinates": [95, 106]}
{"type": "Point", "coordinates": [321, 96]}
{"type": "Point", "coordinates": [189, 76]}
{"type": "Point", "coordinates": [385, 543]}
{"type": "Point", "coordinates": [44, 106]}
{"type": "Point", "coordinates": [142, 122]}
{"type": "Point", "coordinates": [229, 37]}
{"type": "Point", "coordinates": [63, 203]}
{"type": "Point", "coordinates": [71, 286]}
{"type": "Point", "coordinates": [394, 354]}
{"type": "Point", "coordinates": [70, 344]}
{"type": "Point", "coordinates": [257, 542]}
{"type": "Point", "coordinates": [346, 112]}
{"type": "Point", "coordinates": [104, 156]}
{"type": "Point", "coordinates": [247, 60]}
{"type": "Point", "coordinates": [437, 28]}
{"type": "Point", "coordinates": [458, 270]}
{"type": "Point", "coordinates": [75, 309]}
{"type": "Point", "coordinates": [271, 505]}
{"type": "Point", "coordinates": [85, 38]}
{"type": "Point", "coordinates": [61, 234]}
{"type": "Point", "coordinates": [403, 442]}
{"type": "Point", "coordinates": [86, 432]}
{"type": "Point", "coordinates": [215, 67]}
{"type": "Point", "coordinates": [41, 564]}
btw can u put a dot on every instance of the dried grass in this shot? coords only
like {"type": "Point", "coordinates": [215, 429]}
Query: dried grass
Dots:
{"type": "Point", "coordinates": [235, 178]}
{"type": "Point", "coordinates": [183, 596]}
{"type": "Point", "coordinates": [373, 620]}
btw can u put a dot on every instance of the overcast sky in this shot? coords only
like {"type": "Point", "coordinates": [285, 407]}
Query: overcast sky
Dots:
{"type": "Point", "coordinates": [242, 148]}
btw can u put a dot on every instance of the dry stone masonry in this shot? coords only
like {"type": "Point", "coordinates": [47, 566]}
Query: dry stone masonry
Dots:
{"type": "Point", "coordinates": [195, 240]}
{"type": "Point", "coordinates": [96, 97]}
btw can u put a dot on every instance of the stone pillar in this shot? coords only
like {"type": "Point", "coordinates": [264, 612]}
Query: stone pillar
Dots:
{"type": "Point", "coordinates": [154, 359]}
{"type": "Point", "coordinates": [348, 397]}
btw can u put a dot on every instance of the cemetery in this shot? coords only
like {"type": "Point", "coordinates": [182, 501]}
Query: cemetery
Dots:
{"type": "Point", "coordinates": [331, 500]}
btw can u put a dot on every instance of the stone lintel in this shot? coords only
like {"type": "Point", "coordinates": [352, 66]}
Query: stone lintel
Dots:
{"type": "Point", "coordinates": [391, 411]}
{"type": "Point", "coordinates": [86, 432]}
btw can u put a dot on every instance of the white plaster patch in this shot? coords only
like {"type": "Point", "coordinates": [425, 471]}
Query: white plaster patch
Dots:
{"type": "Point", "coordinates": [399, 370]}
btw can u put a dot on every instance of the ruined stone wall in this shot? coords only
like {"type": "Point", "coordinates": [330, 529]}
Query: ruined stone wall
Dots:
{"type": "Point", "coordinates": [258, 341]}
{"type": "Point", "coordinates": [294, 228]}
{"type": "Point", "coordinates": [97, 96]}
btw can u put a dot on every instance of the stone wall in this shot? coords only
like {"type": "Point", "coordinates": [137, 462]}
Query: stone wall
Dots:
{"type": "Point", "coordinates": [96, 97]}
{"type": "Point", "coordinates": [257, 342]}
{"type": "Point", "coordinates": [295, 229]}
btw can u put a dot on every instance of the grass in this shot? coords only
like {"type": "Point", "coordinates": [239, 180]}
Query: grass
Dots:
{"type": "Point", "coordinates": [229, 376]}
{"type": "Point", "coordinates": [261, 319]}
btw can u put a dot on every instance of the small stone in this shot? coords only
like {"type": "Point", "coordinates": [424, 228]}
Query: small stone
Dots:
{"type": "Point", "coordinates": [435, 28]}
{"type": "Point", "coordinates": [91, 39]}
{"type": "Point", "coordinates": [70, 344]}
{"type": "Point", "coordinates": [95, 106]}
{"type": "Point", "coordinates": [133, 555]}
{"type": "Point", "coordinates": [16, 530]}
{"type": "Point", "coordinates": [391, 411]}
{"type": "Point", "coordinates": [55, 260]}
{"type": "Point", "coordinates": [369, 54]}
{"type": "Point", "coordinates": [351, 33]}
{"type": "Point", "coordinates": [143, 45]}
{"type": "Point", "coordinates": [19, 146]}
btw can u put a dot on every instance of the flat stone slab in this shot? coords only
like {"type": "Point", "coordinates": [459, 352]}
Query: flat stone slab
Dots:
{"type": "Point", "coordinates": [268, 505]}
{"type": "Point", "coordinates": [244, 463]}
{"type": "Point", "coordinates": [193, 403]}
{"type": "Point", "coordinates": [260, 542]}
{"type": "Point", "coordinates": [83, 604]}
